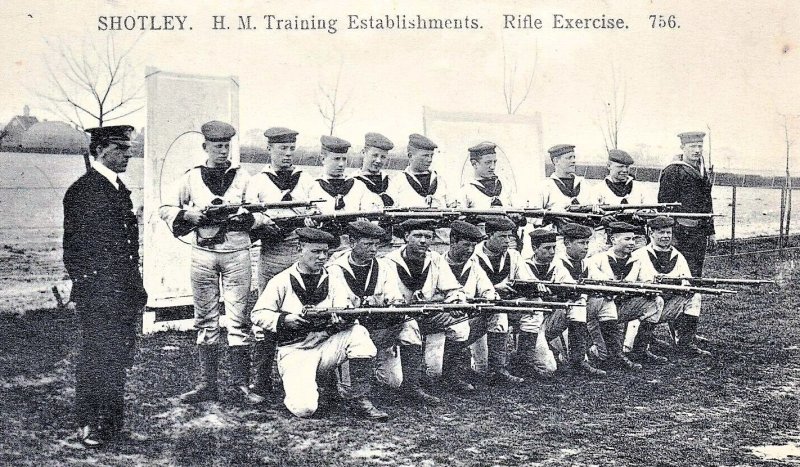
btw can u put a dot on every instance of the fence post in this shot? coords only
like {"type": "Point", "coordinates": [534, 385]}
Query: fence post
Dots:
{"type": "Point", "coordinates": [733, 220]}
{"type": "Point", "coordinates": [783, 212]}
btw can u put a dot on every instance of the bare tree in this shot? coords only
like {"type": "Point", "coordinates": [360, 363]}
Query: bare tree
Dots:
{"type": "Point", "coordinates": [92, 84]}
{"type": "Point", "coordinates": [331, 104]}
{"type": "Point", "coordinates": [613, 109]}
{"type": "Point", "coordinates": [510, 81]}
{"type": "Point", "coordinates": [788, 182]}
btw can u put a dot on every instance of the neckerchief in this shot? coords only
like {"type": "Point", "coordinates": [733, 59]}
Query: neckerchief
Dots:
{"type": "Point", "coordinates": [337, 188]}
{"type": "Point", "coordinates": [620, 189]}
{"type": "Point", "coordinates": [312, 294]}
{"type": "Point", "coordinates": [575, 270]}
{"type": "Point", "coordinates": [218, 180]}
{"type": "Point", "coordinates": [416, 276]}
{"type": "Point", "coordinates": [491, 188]}
{"type": "Point", "coordinates": [663, 261]}
{"type": "Point", "coordinates": [499, 275]}
{"type": "Point", "coordinates": [621, 267]}
{"type": "Point", "coordinates": [572, 191]}
{"type": "Point", "coordinates": [544, 274]}
{"type": "Point", "coordinates": [461, 273]}
{"type": "Point", "coordinates": [378, 184]}
{"type": "Point", "coordinates": [424, 184]}
{"type": "Point", "coordinates": [286, 181]}
{"type": "Point", "coordinates": [363, 283]}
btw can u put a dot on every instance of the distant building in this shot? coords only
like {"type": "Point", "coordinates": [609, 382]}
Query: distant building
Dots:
{"type": "Point", "coordinates": [57, 137]}
{"type": "Point", "coordinates": [13, 131]}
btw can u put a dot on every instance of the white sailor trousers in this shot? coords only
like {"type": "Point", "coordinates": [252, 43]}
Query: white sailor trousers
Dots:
{"type": "Point", "coordinates": [300, 365]}
{"type": "Point", "coordinates": [234, 271]}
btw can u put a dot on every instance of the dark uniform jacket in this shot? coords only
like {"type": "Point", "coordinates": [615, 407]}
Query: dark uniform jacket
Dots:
{"type": "Point", "coordinates": [681, 183]}
{"type": "Point", "coordinates": [101, 246]}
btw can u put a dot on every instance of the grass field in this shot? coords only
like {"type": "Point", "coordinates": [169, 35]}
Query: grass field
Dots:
{"type": "Point", "coordinates": [731, 409]}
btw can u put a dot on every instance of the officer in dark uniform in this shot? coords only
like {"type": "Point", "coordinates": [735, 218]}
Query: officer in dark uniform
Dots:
{"type": "Point", "coordinates": [687, 181]}
{"type": "Point", "coordinates": [101, 254]}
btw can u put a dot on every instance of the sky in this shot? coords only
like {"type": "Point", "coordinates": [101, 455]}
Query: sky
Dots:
{"type": "Point", "coordinates": [732, 66]}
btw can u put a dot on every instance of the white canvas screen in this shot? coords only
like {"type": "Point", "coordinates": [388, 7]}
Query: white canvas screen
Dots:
{"type": "Point", "coordinates": [177, 105]}
{"type": "Point", "coordinates": [519, 147]}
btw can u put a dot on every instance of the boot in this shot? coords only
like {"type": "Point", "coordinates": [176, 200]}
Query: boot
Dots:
{"type": "Point", "coordinates": [686, 331]}
{"type": "Point", "coordinates": [206, 390]}
{"type": "Point", "coordinates": [239, 357]}
{"type": "Point", "coordinates": [498, 359]}
{"type": "Point", "coordinates": [612, 335]}
{"type": "Point", "coordinates": [263, 359]}
{"type": "Point", "coordinates": [641, 346]}
{"type": "Point", "coordinates": [411, 359]}
{"type": "Point", "coordinates": [577, 334]}
{"type": "Point", "coordinates": [361, 375]}
{"type": "Point", "coordinates": [455, 362]}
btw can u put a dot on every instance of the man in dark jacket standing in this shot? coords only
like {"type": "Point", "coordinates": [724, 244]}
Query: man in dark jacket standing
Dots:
{"type": "Point", "coordinates": [687, 181]}
{"type": "Point", "coordinates": [101, 254]}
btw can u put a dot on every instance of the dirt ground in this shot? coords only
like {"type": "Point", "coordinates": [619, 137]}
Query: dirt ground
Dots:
{"type": "Point", "coordinates": [739, 407]}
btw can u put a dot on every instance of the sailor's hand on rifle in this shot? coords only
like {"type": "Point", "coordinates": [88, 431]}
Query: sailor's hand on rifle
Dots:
{"type": "Point", "coordinates": [195, 217]}
{"type": "Point", "coordinates": [417, 297]}
{"type": "Point", "coordinates": [243, 221]}
{"type": "Point", "coordinates": [597, 210]}
{"type": "Point", "coordinates": [336, 319]}
{"type": "Point", "coordinates": [542, 289]}
{"type": "Point", "coordinates": [309, 222]}
{"type": "Point", "coordinates": [505, 289]}
{"type": "Point", "coordinates": [295, 322]}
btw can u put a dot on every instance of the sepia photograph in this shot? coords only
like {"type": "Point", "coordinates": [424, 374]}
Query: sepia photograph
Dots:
{"type": "Point", "coordinates": [309, 233]}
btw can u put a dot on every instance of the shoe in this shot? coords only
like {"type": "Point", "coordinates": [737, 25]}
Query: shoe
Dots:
{"type": "Point", "coordinates": [498, 360]}
{"type": "Point", "coordinates": [89, 437]}
{"type": "Point", "coordinates": [239, 359]}
{"type": "Point", "coordinates": [206, 390]}
{"type": "Point", "coordinates": [263, 358]}
{"type": "Point", "coordinates": [584, 368]}
{"type": "Point", "coordinates": [418, 394]}
{"type": "Point", "coordinates": [501, 375]}
{"type": "Point", "coordinates": [624, 363]}
{"type": "Point", "coordinates": [692, 350]}
{"type": "Point", "coordinates": [364, 408]}
{"type": "Point", "coordinates": [648, 357]}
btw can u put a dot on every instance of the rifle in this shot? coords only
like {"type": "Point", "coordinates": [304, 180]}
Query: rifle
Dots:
{"type": "Point", "coordinates": [621, 207]}
{"type": "Point", "coordinates": [521, 303]}
{"type": "Point", "coordinates": [681, 289]}
{"type": "Point", "coordinates": [220, 211]}
{"type": "Point", "coordinates": [715, 281]}
{"type": "Point", "coordinates": [416, 308]}
{"type": "Point", "coordinates": [212, 232]}
{"type": "Point", "coordinates": [676, 215]}
{"type": "Point", "coordinates": [529, 288]}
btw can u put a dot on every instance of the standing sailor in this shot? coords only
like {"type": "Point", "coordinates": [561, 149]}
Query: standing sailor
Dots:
{"type": "Point", "coordinates": [687, 181]}
{"type": "Point", "coordinates": [220, 250]}
{"type": "Point", "coordinates": [418, 185]}
{"type": "Point", "coordinates": [619, 187]}
{"type": "Point", "coordinates": [485, 190]}
{"type": "Point", "coordinates": [279, 181]}
{"type": "Point", "coordinates": [375, 152]}
{"type": "Point", "coordinates": [339, 193]}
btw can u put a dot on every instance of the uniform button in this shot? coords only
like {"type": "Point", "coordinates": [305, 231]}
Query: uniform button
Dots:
{"type": "Point", "coordinates": [130, 257]}
{"type": "Point", "coordinates": [129, 242]}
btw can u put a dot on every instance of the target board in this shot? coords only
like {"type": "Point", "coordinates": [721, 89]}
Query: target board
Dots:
{"type": "Point", "coordinates": [177, 105]}
{"type": "Point", "coordinates": [520, 158]}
